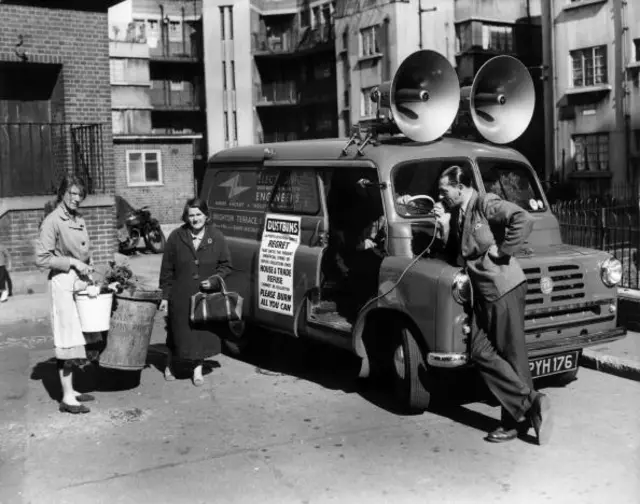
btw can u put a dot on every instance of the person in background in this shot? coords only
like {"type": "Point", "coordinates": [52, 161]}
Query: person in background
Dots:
{"type": "Point", "coordinates": [196, 257]}
{"type": "Point", "coordinates": [63, 248]}
{"type": "Point", "coordinates": [6, 286]}
{"type": "Point", "coordinates": [499, 287]}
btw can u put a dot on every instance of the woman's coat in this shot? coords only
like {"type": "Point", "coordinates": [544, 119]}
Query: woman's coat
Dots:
{"type": "Point", "coordinates": [182, 270]}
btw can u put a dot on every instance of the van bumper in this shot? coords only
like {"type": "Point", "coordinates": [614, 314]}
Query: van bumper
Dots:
{"type": "Point", "coordinates": [447, 360]}
{"type": "Point", "coordinates": [535, 349]}
{"type": "Point", "coordinates": [538, 348]}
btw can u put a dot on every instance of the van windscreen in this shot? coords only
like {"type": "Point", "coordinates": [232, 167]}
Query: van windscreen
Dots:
{"type": "Point", "coordinates": [513, 182]}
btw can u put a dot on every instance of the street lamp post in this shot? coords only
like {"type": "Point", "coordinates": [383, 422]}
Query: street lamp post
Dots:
{"type": "Point", "coordinates": [420, 11]}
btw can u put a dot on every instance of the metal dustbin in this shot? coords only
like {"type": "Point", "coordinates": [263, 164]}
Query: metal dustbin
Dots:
{"type": "Point", "coordinates": [130, 330]}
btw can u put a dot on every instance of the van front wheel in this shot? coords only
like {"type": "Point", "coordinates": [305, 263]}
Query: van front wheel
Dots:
{"type": "Point", "coordinates": [410, 372]}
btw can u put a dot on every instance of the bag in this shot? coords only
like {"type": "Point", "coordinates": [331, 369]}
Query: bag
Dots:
{"type": "Point", "coordinates": [223, 306]}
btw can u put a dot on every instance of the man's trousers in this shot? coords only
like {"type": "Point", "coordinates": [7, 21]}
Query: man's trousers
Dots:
{"type": "Point", "coordinates": [499, 352]}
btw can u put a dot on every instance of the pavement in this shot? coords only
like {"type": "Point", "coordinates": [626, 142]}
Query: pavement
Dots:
{"type": "Point", "coordinates": [620, 358]}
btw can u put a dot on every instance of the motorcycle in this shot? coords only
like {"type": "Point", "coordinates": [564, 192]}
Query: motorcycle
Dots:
{"type": "Point", "coordinates": [135, 224]}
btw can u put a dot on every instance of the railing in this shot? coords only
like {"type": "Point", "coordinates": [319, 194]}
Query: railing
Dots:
{"type": "Point", "coordinates": [165, 98]}
{"type": "Point", "coordinates": [276, 93]}
{"type": "Point", "coordinates": [608, 224]}
{"type": "Point", "coordinates": [187, 49]}
{"type": "Point", "coordinates": [291, 40]}
{"type": "Point", "coordinates": [35, 156]}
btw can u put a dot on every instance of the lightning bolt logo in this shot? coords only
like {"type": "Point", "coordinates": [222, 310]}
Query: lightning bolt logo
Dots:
{"type": "Point", "coordinates": [234, 186]}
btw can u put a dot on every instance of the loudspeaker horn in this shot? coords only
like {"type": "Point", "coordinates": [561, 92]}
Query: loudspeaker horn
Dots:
{"type": "Point", "coordinates": [501, 99]}
{"type": "Point", "coordinates": [424, 96]}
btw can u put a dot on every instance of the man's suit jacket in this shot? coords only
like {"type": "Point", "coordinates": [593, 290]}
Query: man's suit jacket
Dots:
{"type": "Point", "coordinates": [490, 220]}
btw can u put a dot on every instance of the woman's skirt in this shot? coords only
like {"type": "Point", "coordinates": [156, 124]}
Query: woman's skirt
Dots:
{"type": "Point", "coordinates": [68, 338]}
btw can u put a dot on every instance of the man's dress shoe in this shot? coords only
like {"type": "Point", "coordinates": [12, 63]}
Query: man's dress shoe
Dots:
{"type": "Point", "coordinates": [85, 398]}
{"type": "Point", "coordinates": [73, 409]}
{"type": "Point", "coordinates": [502, 434]}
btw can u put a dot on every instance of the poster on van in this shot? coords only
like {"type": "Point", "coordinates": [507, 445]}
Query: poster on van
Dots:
{"type": "Point", "coordinates": [280, 241]}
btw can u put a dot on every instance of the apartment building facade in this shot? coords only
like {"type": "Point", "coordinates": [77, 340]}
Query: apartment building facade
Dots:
{"type": "Point", "coordinates": [269, 71]}
{"type": "Point", "coordinates": [372, 39]}
{"type": "Point", "coordinates": [157, 87]}
{"type": "Point", "coordinates": [594, 48]}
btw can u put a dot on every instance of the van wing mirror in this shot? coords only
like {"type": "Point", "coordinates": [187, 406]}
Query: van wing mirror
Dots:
{"type": "Point", "coordinates": [420, 202]}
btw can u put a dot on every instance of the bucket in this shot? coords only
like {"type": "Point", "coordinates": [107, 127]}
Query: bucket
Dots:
{"type": "Point", "coordinates": [94, 312]}
{"type": "Point", "coordinates": [130, 331]}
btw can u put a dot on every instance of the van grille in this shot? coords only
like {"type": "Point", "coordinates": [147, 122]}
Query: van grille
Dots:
{"type": "Point", "coordinates": [568, 285]}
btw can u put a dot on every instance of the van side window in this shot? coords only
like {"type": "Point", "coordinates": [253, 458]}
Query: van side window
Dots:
{"type": "Point", "coordinates": [239, 197]}
{"type": "Point", "coordinates": [512, 181]}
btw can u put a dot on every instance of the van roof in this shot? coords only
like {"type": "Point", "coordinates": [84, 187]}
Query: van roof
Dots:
{"type": "Point", "coordinates": [387, 153]}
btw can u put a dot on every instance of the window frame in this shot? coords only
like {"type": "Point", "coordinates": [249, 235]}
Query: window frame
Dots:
{"type": "Point", "coordinates": [365, 97]}
{"type": "Point", "coordinates": [586, 157]}
{"type": "Point", "coordinates": [143, 153]}
{"type": "Point", "coordinates": [584, 66]}
{"type": "Point", "coordinates": [369, 34]}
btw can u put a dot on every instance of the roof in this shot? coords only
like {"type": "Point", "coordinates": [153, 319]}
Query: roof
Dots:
{"type": "Point", "coordinates": [386, 154]}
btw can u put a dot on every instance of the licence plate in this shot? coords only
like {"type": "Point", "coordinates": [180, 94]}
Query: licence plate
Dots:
{"type": "Point", "coordinates": [553, 364]}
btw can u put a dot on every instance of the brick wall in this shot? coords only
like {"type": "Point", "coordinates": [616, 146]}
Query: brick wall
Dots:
{"type": "Point", "coordinates": [166, 201]}
{"type": "Point", "coordinates": [78, 41]}
{"type": "Point", "coordinates": [19, 230]}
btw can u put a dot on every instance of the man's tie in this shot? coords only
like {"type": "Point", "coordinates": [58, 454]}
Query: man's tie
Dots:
{"type": "Point", "coordinates": [460, 223]}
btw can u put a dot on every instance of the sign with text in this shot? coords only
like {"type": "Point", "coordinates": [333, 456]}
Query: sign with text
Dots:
{"type": "Point", "coordinates": [280, 241]}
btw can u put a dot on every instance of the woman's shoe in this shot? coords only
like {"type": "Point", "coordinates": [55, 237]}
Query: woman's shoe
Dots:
{"type": "Point", "coordinates": [168, 375]}
{"type": "Point", "coordinates": [198, 381]}
{"type": "Point", "coordinates": [85, 398]}
{"type": "Point", "coordinates": [73, 409]}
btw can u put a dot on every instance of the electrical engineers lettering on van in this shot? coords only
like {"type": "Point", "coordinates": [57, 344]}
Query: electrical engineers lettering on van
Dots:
{"type": "Point", "coordinates": [334, 240]}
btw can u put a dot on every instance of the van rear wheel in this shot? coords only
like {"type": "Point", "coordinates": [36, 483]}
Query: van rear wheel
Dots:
{"type": "Point", "coordinates": [410, 372]}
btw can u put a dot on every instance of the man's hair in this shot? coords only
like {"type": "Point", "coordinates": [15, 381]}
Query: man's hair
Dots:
{"type": "Point", "coordinates": [456, 175]}
{"type": "Point", "coordinates": [198, 203]}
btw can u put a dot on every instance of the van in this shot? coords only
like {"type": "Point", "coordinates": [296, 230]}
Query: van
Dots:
{"type": "Point", "coordinates": [290, 210]}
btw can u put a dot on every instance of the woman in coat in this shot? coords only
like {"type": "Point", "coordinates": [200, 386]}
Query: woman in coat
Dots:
{"type": "Point", "coordinates": [195, 258]}
{"type": "Point", "coordinates": [63, 249]}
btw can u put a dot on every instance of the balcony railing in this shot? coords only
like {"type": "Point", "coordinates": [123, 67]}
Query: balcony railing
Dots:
{"type": "Point", "coordinates": [292, 41]}
{"type": "Point", "coordinates": [277, 93]}
{"type": "Point", "coordinates": [178, 50]}
{"type": "Point", "coordinates": [166, 99]}
{"type": "Point", "coordinates": [35, 156]}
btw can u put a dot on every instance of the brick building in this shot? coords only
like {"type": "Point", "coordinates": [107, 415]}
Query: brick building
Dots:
{"type": "Point", "coordinates": [55, 118]}
{"type": "Point", "coordinates": [158, 115]}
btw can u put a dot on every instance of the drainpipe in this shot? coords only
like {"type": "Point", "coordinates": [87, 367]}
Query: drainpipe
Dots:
{"type": "Point", "coordinates": [163, 29]}
{"type": "Point", "coordinates": [547, 75]}
{"type": "Point", "coordinates": [619, 84]}
{"type": "Point", "coordinates": [184, 34]}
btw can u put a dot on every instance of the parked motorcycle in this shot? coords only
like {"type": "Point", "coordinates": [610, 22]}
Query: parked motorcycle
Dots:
{"type": "Point", "coordinates": [134, 224]}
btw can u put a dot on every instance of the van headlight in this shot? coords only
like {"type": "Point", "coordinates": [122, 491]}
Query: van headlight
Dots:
{"type": "Point", "coordinates": [461, 288]}
{"type": "Point", "coordinates": [611, 272]}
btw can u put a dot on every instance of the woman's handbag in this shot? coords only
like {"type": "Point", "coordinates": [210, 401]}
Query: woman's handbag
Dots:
{"type": "Point", "coordinates": [223, 306]}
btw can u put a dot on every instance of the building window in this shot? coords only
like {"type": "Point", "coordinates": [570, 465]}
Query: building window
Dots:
{"type": "Point", "coordinates": [591, 152]}
{"type": "Point", "coordinates": [153, 28]}
{"type": "Point", "coordinates": [497, 38]}
{"type": "Point", "coordinates": [322, 71]}
{"type": "Point", "coordinates": [235, 125]}
{"type": "Point", "coordinates": [369, 41]}
{"type": "Point", "coordinates": [636, 46]}
{"type": "Point", "coordinates": [589, 66]}
{"type": "Point", "coordinates": [223, 35]}
{"type": "Point", "coordinates": [317, 17]}
{"type": "Point", "coordinates": [367, 105]}
{"type": "Point", "coordinates": [226, 126]}
{"type": "Point", "coordinates": [230, 22]}
{"type": "Point", "coordinates": [175, 31]}
{"type": "Point", "coordinates": [176, 84]}
{"type": "Point", "coordinates": [463, 37]}
{"type": "Point", "coordinates": [224, 75]}
{"type": "Point", "coordinates": [144, 168]}
{"type": "Point", "coordinates": [305, 18]}
{"type": "Point", "coordinates": [233, 75]}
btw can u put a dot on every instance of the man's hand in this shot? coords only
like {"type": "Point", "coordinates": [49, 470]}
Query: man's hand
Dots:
{"type": "Point", "coordinates": [164, 305]}
{"type": "Point", "coordinates": [495, 253]}
{"type": "Point", "coordinates": [442, 216]}
{"type": "Point", "coordinates": [212, 283]}
{"type": "Point", "coordinates": [82, 268]}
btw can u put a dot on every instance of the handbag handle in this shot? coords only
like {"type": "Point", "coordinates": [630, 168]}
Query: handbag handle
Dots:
{"type": "Point", "coordinates": [223, 285]}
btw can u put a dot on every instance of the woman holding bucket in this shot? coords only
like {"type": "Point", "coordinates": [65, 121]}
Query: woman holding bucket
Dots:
{"type": "Point", "coordinates": [196, 257]}
{"type": "Point", "coordinates": [63, 248]}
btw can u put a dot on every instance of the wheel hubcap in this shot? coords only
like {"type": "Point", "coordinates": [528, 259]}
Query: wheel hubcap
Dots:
{"type": "Point", "coordinates": [398, 361]}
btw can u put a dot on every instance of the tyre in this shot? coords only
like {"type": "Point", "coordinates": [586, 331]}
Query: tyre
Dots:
{"type": "Point", "coordinates": [410, 372]}
{"type": "Point", "coordinates": [154, 238]}
{"type": "Point", "coordinates": [566, 378]}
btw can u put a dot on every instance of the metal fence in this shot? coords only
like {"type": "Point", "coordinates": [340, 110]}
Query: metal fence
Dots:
{"type": "Point", "coordinates": [35, 156]}
{"type": "Point", "coordinates": [606, 223]}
